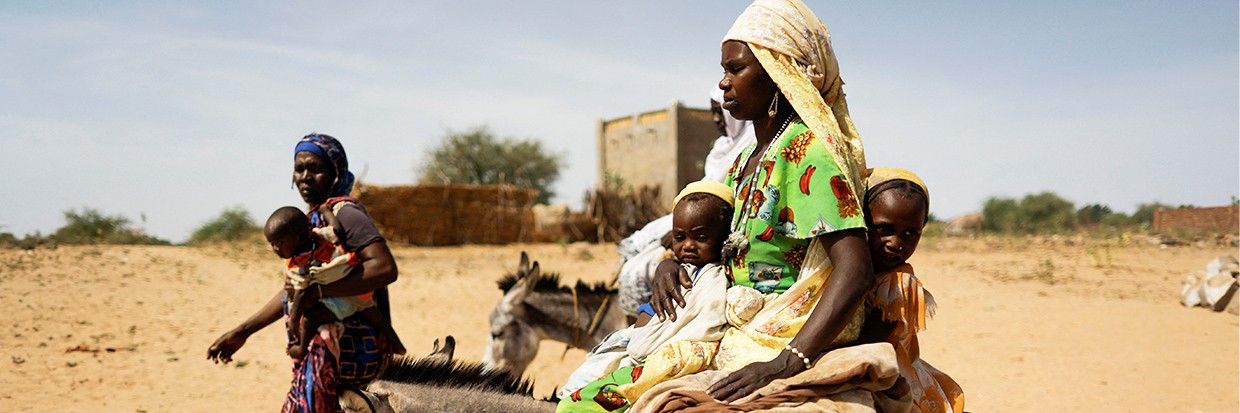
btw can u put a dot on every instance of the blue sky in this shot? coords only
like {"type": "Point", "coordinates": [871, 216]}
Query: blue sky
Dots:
{"type": "Point", "coordinates": [174, 111]}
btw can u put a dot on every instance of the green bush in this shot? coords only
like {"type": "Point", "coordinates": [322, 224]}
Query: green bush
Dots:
{"type": "Point", "coordinates": [8, 240]}
{"type": "Point", "coordinates": [1145, 212]}
{"type": "Point", "coordinates": [232, 224]}
{"type": "Point", "coordinates": [1093, 214]}
{"type": "Point", "coordinates": [1044, 212]}
{"type": "Point", "coordinates": [1000, 214]}
{"type": "Point", "coordinates": [92, 227]}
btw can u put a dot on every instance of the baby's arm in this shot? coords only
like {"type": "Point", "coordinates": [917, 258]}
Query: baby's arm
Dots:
{"type": "Point", "coordinates": [325, 211]}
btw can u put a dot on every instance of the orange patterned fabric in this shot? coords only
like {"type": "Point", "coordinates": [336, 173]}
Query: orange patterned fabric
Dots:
{"type": "Point", "coordinates": [902, 299]}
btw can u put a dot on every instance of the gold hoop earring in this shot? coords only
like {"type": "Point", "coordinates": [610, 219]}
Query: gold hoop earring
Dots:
{"type": "Point", "coordinates": [770, 112]}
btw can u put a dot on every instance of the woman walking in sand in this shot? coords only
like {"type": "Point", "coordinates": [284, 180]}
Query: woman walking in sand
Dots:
{"type": "Point", "coordinates": [342, 355]}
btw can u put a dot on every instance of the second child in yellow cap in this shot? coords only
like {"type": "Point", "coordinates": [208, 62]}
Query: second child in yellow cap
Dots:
{"type": "Point", "coordinates": [666, 349]}
{"type": "Point", "coordinates": [706, 186]}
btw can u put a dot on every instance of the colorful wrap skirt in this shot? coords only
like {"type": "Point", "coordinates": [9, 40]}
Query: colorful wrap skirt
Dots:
{"type": "Point", "coordinates": [348, 354]}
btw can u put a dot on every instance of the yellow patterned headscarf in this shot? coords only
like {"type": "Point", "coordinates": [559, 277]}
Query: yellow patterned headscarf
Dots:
{"type": "Point", "coordinates": [794, 47]}
{"type": "Point", "coordinates": [706, 186]}
{"type": "Point", "coordinates": [878, 176]}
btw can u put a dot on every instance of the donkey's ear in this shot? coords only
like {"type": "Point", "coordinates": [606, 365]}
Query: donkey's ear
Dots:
{"type": "Point", "coordinates": [524, 267]}
{"type": "Point", "coordinates": [449, 347]}
{"type": "Point", "coordinates": [524, 286]}
{"type": "Point", "coordinates": [445, 352]}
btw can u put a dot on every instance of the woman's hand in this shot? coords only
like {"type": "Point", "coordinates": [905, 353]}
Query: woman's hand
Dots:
{"type": "Point", "coordinates": [665, 294]}
{"type": "Point", "coordinates": [750, 378]}
{"type": "Point", "coordinates": [224, 347]}
{"type": "Point", "coordinates": [377, 270]}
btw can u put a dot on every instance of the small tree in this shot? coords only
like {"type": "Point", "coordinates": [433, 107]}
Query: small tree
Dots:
{"type": "Point", "coordinates": [478, 157]}
{"type": "Point", "coordinates": [1145, 212]}
{"type": "Point", "coordinates": [1093, 214]}
{"type": "Point", "coordinates": [1047, 212]}
{"type": "Point", "coordinates": [232, 224]}
{"type": "Point", "coordinates": [8, 240]}
{"type": "Point", "coordinates": [1000, 214]}
{"type": "Point", "coordinates": [1035, 213]}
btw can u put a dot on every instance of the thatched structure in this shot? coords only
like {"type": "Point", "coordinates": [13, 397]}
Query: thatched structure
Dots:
{"type": "Point", "coordinates": [434, 215]}
{"type": "Point", "coordinates": [618, 214]}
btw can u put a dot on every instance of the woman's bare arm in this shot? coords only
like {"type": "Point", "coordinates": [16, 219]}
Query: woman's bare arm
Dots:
{"type": "Point", "coordinates": [224, 347]}
{"type": "Point", "coordinates": [852, 276]}
{"type": "Point", "coordinates": [376, 270]}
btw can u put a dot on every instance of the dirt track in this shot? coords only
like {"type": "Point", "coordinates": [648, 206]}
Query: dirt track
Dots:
{"type": "Point", "coordinates": [1024, 325]}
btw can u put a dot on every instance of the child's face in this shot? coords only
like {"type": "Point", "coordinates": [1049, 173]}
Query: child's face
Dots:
{"type": "Point", "coordinates": [697, 234]}
{"type": "Point", "coordinates": [895, 228]}
{"type": "Point", "coordinates": [285, 246]}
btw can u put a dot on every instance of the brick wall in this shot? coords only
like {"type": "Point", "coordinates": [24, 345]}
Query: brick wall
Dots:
{"type": "Point", "coordinates": [1224, 219]}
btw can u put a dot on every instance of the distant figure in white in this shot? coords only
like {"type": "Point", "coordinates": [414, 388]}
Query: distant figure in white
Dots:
{"type": "Point", "coordinates": [642, 251]}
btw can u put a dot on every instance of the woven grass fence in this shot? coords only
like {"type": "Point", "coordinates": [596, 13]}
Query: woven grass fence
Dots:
{"type": "Point", "coordinates": [617, 214]}
{"type": "Point", "coordinates": [436, 215]}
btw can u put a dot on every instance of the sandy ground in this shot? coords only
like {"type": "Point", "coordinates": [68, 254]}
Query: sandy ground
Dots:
{"type": "Point", "coordinates": [1024, 325]}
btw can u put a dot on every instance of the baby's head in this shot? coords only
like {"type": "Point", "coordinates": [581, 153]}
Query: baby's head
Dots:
{"type": "Point", "coordinates": [897, 205]}
{"type": "Point", "coordinates": [701, 215]}
{"type": "Point", "coordinates": [287, 230]}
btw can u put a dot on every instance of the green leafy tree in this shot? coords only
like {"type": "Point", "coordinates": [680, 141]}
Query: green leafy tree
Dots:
{"type": "Point", "coordinates": [1047, 212]}
{"type": "Point", "coordinates": [1093, 214]}
{"type": "Point", "coordinates": [478, 157]}
{"type": "Point", "coordinates": [232, 224]}
{"type": "Point", "coordinates": [1035, 213]}
{"type": "Point", "coordinates": [1145, 212]}
{"type": "Point", "coordinates": [8, 240]}
{"type": "Point", "coordinates": [1000, 214]}
{"type": "Point", "coordinates": [92, 227]}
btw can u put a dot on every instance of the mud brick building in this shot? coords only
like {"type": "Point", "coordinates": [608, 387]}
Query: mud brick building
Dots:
{"type": "Point", "coordinates": [664, 148]}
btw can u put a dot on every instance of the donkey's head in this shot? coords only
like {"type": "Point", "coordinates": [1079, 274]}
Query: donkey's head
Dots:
{"type": "Point", "coordinates": [536, 307]}
{"type": "Point", "coordinates": [514, 340]}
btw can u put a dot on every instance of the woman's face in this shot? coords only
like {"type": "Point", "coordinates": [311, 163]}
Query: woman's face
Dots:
{"type": "Point", "coordinates": [747, 89]}
{"type": "Point", "coordinates": [314, 177]}
{"type": "Point", "coordinates": [895, 224]}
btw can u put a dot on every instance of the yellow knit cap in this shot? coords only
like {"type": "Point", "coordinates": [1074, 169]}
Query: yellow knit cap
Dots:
{"type": "Point", "coordinates": [708, 187]}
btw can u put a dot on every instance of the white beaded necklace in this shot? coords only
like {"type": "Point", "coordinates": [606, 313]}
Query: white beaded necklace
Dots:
{"type": "Point", "coordinates": [737, 240]}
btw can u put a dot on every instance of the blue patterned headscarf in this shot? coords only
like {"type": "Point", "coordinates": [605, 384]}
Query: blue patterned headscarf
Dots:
{"type": "Point", "coordinates": [330, 149]}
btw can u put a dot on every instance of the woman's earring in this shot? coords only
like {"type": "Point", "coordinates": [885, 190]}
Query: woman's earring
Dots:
{"type": "Point", "coordinates": [770, 112]}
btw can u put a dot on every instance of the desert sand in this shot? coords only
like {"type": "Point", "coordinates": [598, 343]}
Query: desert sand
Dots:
{"type": "Point", "coordinates": [1025, 325]}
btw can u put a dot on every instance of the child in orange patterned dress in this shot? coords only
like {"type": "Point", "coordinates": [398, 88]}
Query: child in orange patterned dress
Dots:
{"type": "Point", "coordinates": [897, 206]}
